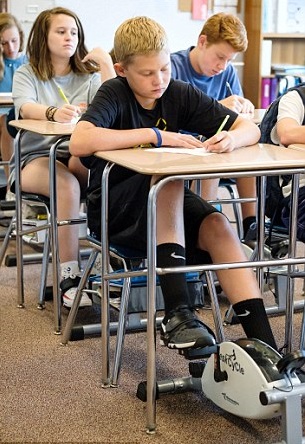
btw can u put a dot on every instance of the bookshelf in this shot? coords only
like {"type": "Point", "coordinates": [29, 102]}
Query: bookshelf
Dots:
{"type": "Point", "coordinates": [286, 48]}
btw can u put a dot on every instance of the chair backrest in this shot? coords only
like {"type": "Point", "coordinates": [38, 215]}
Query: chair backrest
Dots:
{"type": "Point", "coordinates": [11, 116]}
{"type": "Point", "coordinates": [270, 118]}
{"type": "Point", "coordinates": [275, 184]}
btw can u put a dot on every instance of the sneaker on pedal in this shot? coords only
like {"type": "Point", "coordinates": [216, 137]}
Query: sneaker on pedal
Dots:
{"type": "Point", "coordinates": [182, 329]}
{"type": "Point", "coordinates": [250, 237]}
{"type": "Point", "coordinates": [69, 288]}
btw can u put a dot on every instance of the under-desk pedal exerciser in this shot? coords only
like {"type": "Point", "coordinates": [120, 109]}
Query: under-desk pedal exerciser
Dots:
{"type": "Point", "coordinates": [246, 378]}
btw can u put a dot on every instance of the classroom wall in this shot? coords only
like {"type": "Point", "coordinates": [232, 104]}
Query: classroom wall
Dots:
{"type": "Point", "coordinates": [100, 18]}
{"type": "Point", "coordinates": [26, 11]}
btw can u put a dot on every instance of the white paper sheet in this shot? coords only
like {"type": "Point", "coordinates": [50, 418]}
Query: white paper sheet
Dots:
{"type": "Point", "coordinates": [191, 151]}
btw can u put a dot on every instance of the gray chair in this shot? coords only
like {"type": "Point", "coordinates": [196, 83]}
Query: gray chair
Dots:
{"type": "Point", "coordinates": [50, 226]}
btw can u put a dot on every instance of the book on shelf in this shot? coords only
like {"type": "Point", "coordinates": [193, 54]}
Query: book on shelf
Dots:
{"type": "Point", "coordinates": [286, 82]}
{"type": "Point", "coordinates": [266, 58]}
{"type": "Point", "coordinates": [287, 68]}
{"type": "Point", "coordinates": [265, 92]}
{"type": "Point", "coordinates": [269, 91]}
{"type": "Point", "coordinates": [274, 86]}
{"type": "Point", "coordinates": [273, 89]}
{"type": "Point", "coordinates": [269, 15]}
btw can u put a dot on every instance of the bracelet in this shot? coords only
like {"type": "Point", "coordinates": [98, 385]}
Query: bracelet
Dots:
{"type": "Point", "coordinates": [50, 113]}
{"type": "Point", "coordinates": [159, 137]}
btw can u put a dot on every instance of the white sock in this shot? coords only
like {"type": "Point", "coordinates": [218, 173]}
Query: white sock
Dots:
{"type": "Point", "coordinates": [69, 269]}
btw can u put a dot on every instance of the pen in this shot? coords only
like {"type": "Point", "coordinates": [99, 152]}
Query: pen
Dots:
{"type": "Point", "coordinates": [62, 94]}
{"type": "Point", "coordinates": [223, 124]}
{"type": "Point", "coordinates": [229, 88]}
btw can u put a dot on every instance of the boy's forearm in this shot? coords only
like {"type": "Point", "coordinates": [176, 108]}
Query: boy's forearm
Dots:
{"type": "Point", "coordinates": [245, 132]}
{"type": "Point", "coordinates": [290, 132]}
{"type": "Point", "coordinates": [86, 140]}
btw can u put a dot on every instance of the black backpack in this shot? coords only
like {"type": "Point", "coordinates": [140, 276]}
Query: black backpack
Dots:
{"type": "Point", "coordinates": [274, 192]}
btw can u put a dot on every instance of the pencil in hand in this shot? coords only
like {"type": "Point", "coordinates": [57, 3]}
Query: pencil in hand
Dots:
{"type": "Point", "coordinates": [62, 94]}
{"type": "Point", "coordinates": [222, 125]}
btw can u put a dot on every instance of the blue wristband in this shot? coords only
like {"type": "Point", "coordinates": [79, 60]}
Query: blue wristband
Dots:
{"type": "Point", "coordinates": [159, 137]}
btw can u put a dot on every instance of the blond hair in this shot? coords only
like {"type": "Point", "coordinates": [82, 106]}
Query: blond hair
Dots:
{"type": "Point", "coordinates": [138, 36]}
{"type": "Point", "coordinates": [226, 27]}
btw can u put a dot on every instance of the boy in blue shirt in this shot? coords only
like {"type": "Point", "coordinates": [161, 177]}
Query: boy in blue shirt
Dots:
{"type": "Point", "coordinates": [141, 107]}
{"type": "Point", "coordinates": [208, 67]}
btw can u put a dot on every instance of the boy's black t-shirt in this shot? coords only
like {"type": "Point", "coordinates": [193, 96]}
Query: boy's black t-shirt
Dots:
{"type": "Point", "coordinates": [181, 108]}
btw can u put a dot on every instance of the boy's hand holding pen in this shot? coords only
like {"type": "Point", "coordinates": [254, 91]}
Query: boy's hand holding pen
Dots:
{"type": "Point", "coordinates": [237, 103]}
{"type": "Point", "coordinates": [221, 142]}
{"type": "Point", "coordinates": [216, 143]}
{"type": "Point", "coordinates": [222, 125]}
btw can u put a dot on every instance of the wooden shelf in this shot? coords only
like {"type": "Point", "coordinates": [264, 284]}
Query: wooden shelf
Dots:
{"type": "Point", "coordinates": [286, 48]}
{"type": "Point", "coordinates": [272, 35]}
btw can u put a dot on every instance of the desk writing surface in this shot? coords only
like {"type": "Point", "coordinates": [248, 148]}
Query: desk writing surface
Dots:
{"type": "Point", "coordinates": [44, 127]}
{"type": "Point", "coordinates": [6, 99]}
{"type": "Point", "coordinates": [298, 147]}
{"type": "Point", "coordinates": [255, 157]}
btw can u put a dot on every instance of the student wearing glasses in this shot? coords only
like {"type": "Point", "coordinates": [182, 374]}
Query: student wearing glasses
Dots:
{"type": "Point", "coordinates": [208, 67]}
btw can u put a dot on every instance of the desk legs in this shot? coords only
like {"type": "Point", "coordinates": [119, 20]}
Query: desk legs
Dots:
{"type": "Point", "coordinates": [151, 312]}
{"type": "Point", "coordinates": [261, 191]}
{"type": "Point", "coordinates": [54, 235]}
{"type": "Point", "coordinates": [261, 183]}
{"type": "Point", "coordinates": [291, 268]}
{"type": "Point", "coordinates": [19, 246]}
{"type": "Point", "coordinates": [105, 324]}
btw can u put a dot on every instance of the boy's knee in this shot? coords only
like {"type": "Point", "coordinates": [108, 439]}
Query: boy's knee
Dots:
{"type": "Point", "coordinates": [216, 224]}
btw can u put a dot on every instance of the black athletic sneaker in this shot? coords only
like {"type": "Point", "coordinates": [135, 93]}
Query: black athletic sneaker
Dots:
{"type": "Point", "coordinates": [251, 233]}
{"type": "Point", "coordinates": [182, 329]}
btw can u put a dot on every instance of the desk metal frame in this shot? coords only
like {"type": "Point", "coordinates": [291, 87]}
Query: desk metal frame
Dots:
{"type": "Point", "coordinates": [62, 133]}
{"type": "Point", "coordinates": [152, 269]}
{"type": "Point", "coordinates": [52, 226]}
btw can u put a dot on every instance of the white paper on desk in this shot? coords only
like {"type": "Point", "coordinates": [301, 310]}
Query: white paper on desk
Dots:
{"type": "Point", "coordinates": [192, 151]}
{"type": "Point", "coordinates": [72, 122]}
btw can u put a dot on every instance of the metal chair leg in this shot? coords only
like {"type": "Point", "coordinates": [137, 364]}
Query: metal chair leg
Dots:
{"type": "Point", "coordinates": [44, 272]}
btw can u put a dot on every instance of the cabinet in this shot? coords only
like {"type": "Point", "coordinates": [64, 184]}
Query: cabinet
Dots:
{"type": "Point", "coordinates": [286, 48]}
{"type": "Point", "coordinates": [26, 11]}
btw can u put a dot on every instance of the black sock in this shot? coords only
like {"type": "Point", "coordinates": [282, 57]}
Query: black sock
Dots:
{"type": "Point", "coordinates": [254, 320]}
{"type": "Point", "coordinates": [173, 285]}
{"type": "Point", "coordinates": [247, 223]}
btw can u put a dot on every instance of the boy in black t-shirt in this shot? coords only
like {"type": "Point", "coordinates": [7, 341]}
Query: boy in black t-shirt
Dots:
{"type": "Point", "coordinates": [144, 107]}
